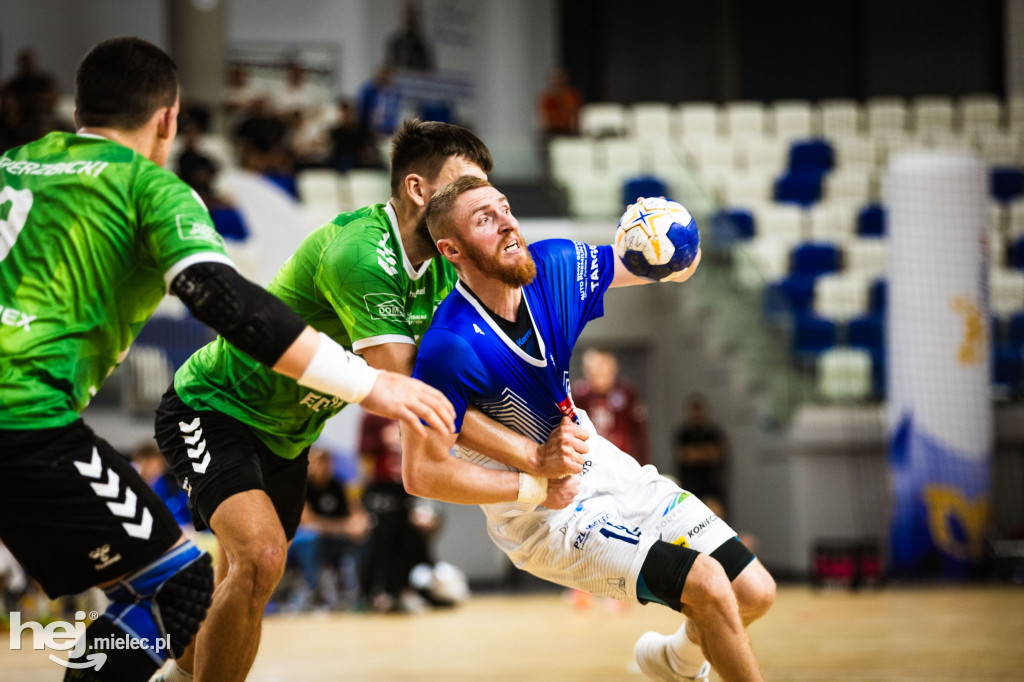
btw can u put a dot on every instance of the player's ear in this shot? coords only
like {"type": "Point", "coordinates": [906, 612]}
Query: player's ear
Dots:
{"type": "Point", "coordinates": [449, 249]}
{"type": "Point", "coordinates": [166, 122]}
{"type": "Point", "coordinates": [416, 188]}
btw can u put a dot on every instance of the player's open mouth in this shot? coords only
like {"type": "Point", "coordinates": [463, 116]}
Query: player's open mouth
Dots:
{"type": "Point", "coordinates": [511, 246]}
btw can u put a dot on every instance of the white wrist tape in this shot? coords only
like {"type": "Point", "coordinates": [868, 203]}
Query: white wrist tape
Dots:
{"type": "Point", "coordinates": [335, 371]}
{"type": "Point", "coordinates": [532, 489]}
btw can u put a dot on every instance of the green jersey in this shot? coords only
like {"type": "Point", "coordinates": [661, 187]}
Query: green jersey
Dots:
{"type": "Point", "coordinates": [91, 233]}
{"type": "Point", "coordinates": [349, 279]}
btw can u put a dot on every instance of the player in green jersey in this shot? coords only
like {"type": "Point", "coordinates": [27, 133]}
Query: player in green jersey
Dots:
{"type": "Point", "coordinates": [367, 279]}
{"type": "Point", "coordinates": [93, 233]}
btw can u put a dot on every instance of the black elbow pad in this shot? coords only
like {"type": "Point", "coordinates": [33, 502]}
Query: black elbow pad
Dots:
{"type": "Point", "coordinates": [250, 318]}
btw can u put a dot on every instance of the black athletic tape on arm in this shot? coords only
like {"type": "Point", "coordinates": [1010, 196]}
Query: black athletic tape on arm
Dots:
{"type": "Point", "coordinates": [665, 569]}
{"type": "Point", "coordinates": [250, 318]}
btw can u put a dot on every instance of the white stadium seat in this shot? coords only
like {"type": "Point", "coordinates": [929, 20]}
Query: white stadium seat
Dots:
{"type": "Point", "coordinates": [697, 118]}
{"type": "Point", "coordinates": [840, 297]}
{"type": "Point", "coordinates": [603, 118]}
{"type": "Point", "coordinates": [886, 113]}
{"type": "Point", "coordinates": [745, 119]}
{"type": "Point", "coordinates": [844, 374]}
{"type": "Point", "coordinates": [980, 112]}
{"type": "Point", "coordinates": [933, 114]}
{"type": "Point", "coordinates": [1006, 292]}
{"type": "Point", "coordinates": [794, 119]}
{"type": "Point", "coordinates": [866, 257]}
{"type": "Point", "coordinates": [621, 157]}
{"type": "Point", "coordinates": [840, 117]}
{"type": "Point", "coordinates": [650, 120]}
{"type": "Point", "coordinates": [570, 155]}
{"type": "Point", "coordinates": [832, 221]}
{"type": "Point", "coordinates": [781, 221]}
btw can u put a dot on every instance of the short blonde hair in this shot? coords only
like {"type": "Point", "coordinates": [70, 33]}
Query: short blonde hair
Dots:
{"type": "Point", "coordinates": [439, 210]}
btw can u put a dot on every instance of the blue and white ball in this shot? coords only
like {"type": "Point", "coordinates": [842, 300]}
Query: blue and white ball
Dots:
{"type": "Point", "coordinates": [656, 238]}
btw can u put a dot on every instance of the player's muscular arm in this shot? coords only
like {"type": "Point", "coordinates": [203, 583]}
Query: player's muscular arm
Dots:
{"type": "Point", "coordinates": [261, 325]}
{"type": "Point", "coordinates": [561, 455]}
{"type": "Point", "coordinates": [625, 278]}
{"type": "Point", "coordinates": [429, 471]}
{"type": "Point", "coordinates": [393, 357]}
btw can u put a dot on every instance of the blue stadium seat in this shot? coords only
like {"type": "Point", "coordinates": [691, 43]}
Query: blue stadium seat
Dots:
{"type": "Point", "coordinates": [815, 258]}
{"type": "Point", "coordinates": [801, 187]}
{"type": "Point", "coordinates": [811, 155]}
{"type": "Point", "coordinates": [812, 336]}
{"type": "Point", "coordinates": [229, 223]}
{"type": "Point", "coordinates": [788, 298]}
{"type": "Point", "coordinates": [878, 297]}
{"type": "Point", "coordinates": [1007, 183]}
{"type": "Point", "coordinates": [1015, 331]}
{"type": "Point", "coordinates": [731, 226]}
{"type": "Point", "coordinates": [642, 186]}
{"type": "Point", "coordinates": [1007, 367]}
{"type": "Point", "coordinates": [1017, 253]}
{"type": "Point", "coordinates": [871, 221]}
{"type": "Point", "coordinates": [179, 338]}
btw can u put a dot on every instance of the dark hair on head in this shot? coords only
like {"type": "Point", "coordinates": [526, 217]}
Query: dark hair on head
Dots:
{"type": "Point", "coordinates": [423, 147]}
{"type": "Point", "coordinates": [122, 82]}
{"type": "Point", "coordinates": [439, 210]}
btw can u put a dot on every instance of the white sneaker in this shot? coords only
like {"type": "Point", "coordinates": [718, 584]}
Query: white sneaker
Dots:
{"type": "Point", "coordinates": [651, 657]}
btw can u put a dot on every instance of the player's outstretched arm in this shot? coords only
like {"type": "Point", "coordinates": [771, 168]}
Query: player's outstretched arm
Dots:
{"type": "Point", "coordinates": [261, 325]}
{"type": "Point", "coordinates": [429, 471]}
{"type": "Point", "coordinates": [561, 455]}
{"type": "Point", "coordinates": [624, 278]}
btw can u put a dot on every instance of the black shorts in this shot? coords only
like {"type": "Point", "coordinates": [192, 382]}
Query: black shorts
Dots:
{"type": "Point", "coordinates": [215, 456]}
{"type": "Point", "coordinates": [74, 512]}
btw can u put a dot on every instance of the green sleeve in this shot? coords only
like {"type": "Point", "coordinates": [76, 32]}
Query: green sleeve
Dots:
{"type": "Point", "coordinates": [174, 224]}
{"type": "Point", "coordinates": [363, 280]}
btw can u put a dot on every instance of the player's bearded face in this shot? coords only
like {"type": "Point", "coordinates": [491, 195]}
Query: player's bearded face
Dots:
{"type": "Point", "coordinates": [514, 274]}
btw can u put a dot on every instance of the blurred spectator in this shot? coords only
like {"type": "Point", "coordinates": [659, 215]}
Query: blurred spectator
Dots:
{"type": "Point", "coordinates": [353, 144]}
{"type": "Point", "coordinates": [615, 408]}
{"type": "Point", "coordinates": [559, 106]}
{"type": "Point", "coordinates": [701, 456]}
{"type": "Point", "coordinates": [402, 524]}
{"type": "Point", "coordinates": [380, 102]}
{"type": "Point", "coordinates": [309, 139]}
{"type": "Point", "coordinates": [262, 146]}
{"type": "Point", "coordinates": [407, 48]}
{"type": "Point", "coordinates": [199, 171]}
{"type": "Point", "coordinates": [240, 95]}
{"type": "Point", "coordinates": [296, 98]}
{"type": "Point", "coordinates": [152, 466]}
{"type": "Point", "coordinates": [28, 105]}
{"type": "Point", "coordinates": [31, 86]}
{"type": "Point", "coordinates": [328, 534]}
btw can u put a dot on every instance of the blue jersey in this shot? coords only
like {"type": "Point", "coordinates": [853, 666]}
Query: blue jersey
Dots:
{"type": "Point", "coordinates": [466, 356]}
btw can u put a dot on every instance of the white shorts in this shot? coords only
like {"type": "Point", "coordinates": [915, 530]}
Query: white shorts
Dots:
{"type": "Point", "coordinates": [599, 543]}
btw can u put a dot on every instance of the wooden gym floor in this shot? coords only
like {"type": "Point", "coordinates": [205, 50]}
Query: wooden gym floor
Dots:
{"type": "Point", "coordinates": [897, 633]}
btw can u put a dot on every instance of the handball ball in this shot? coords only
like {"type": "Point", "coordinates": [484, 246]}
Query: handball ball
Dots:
{"type": "Point", "coordinates": [656, 238]}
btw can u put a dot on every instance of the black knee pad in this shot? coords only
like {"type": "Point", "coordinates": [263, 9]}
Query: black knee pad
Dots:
{"type": "Point", "coordinates": [734, 557]}
{"type": "Point", "coordinates": [117, 665]}
{"type": "Point", "coordinates": [180, 604]}
{"type": "Point", "coordinates": [665, 569]}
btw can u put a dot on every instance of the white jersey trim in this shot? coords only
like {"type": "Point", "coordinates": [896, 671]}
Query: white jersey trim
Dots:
{"type": "Point", "coordinates": [371, 341]}
{"type": "Point", "coordinates": [413, 273]}
{"type": "Point", "coordinates": [205, 257]}
{"type": "Point", "coordinates": [526, 357]}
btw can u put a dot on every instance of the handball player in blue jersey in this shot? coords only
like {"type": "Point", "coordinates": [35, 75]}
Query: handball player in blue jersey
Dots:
{"type": "Point", "coordinates": [502, 342]}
